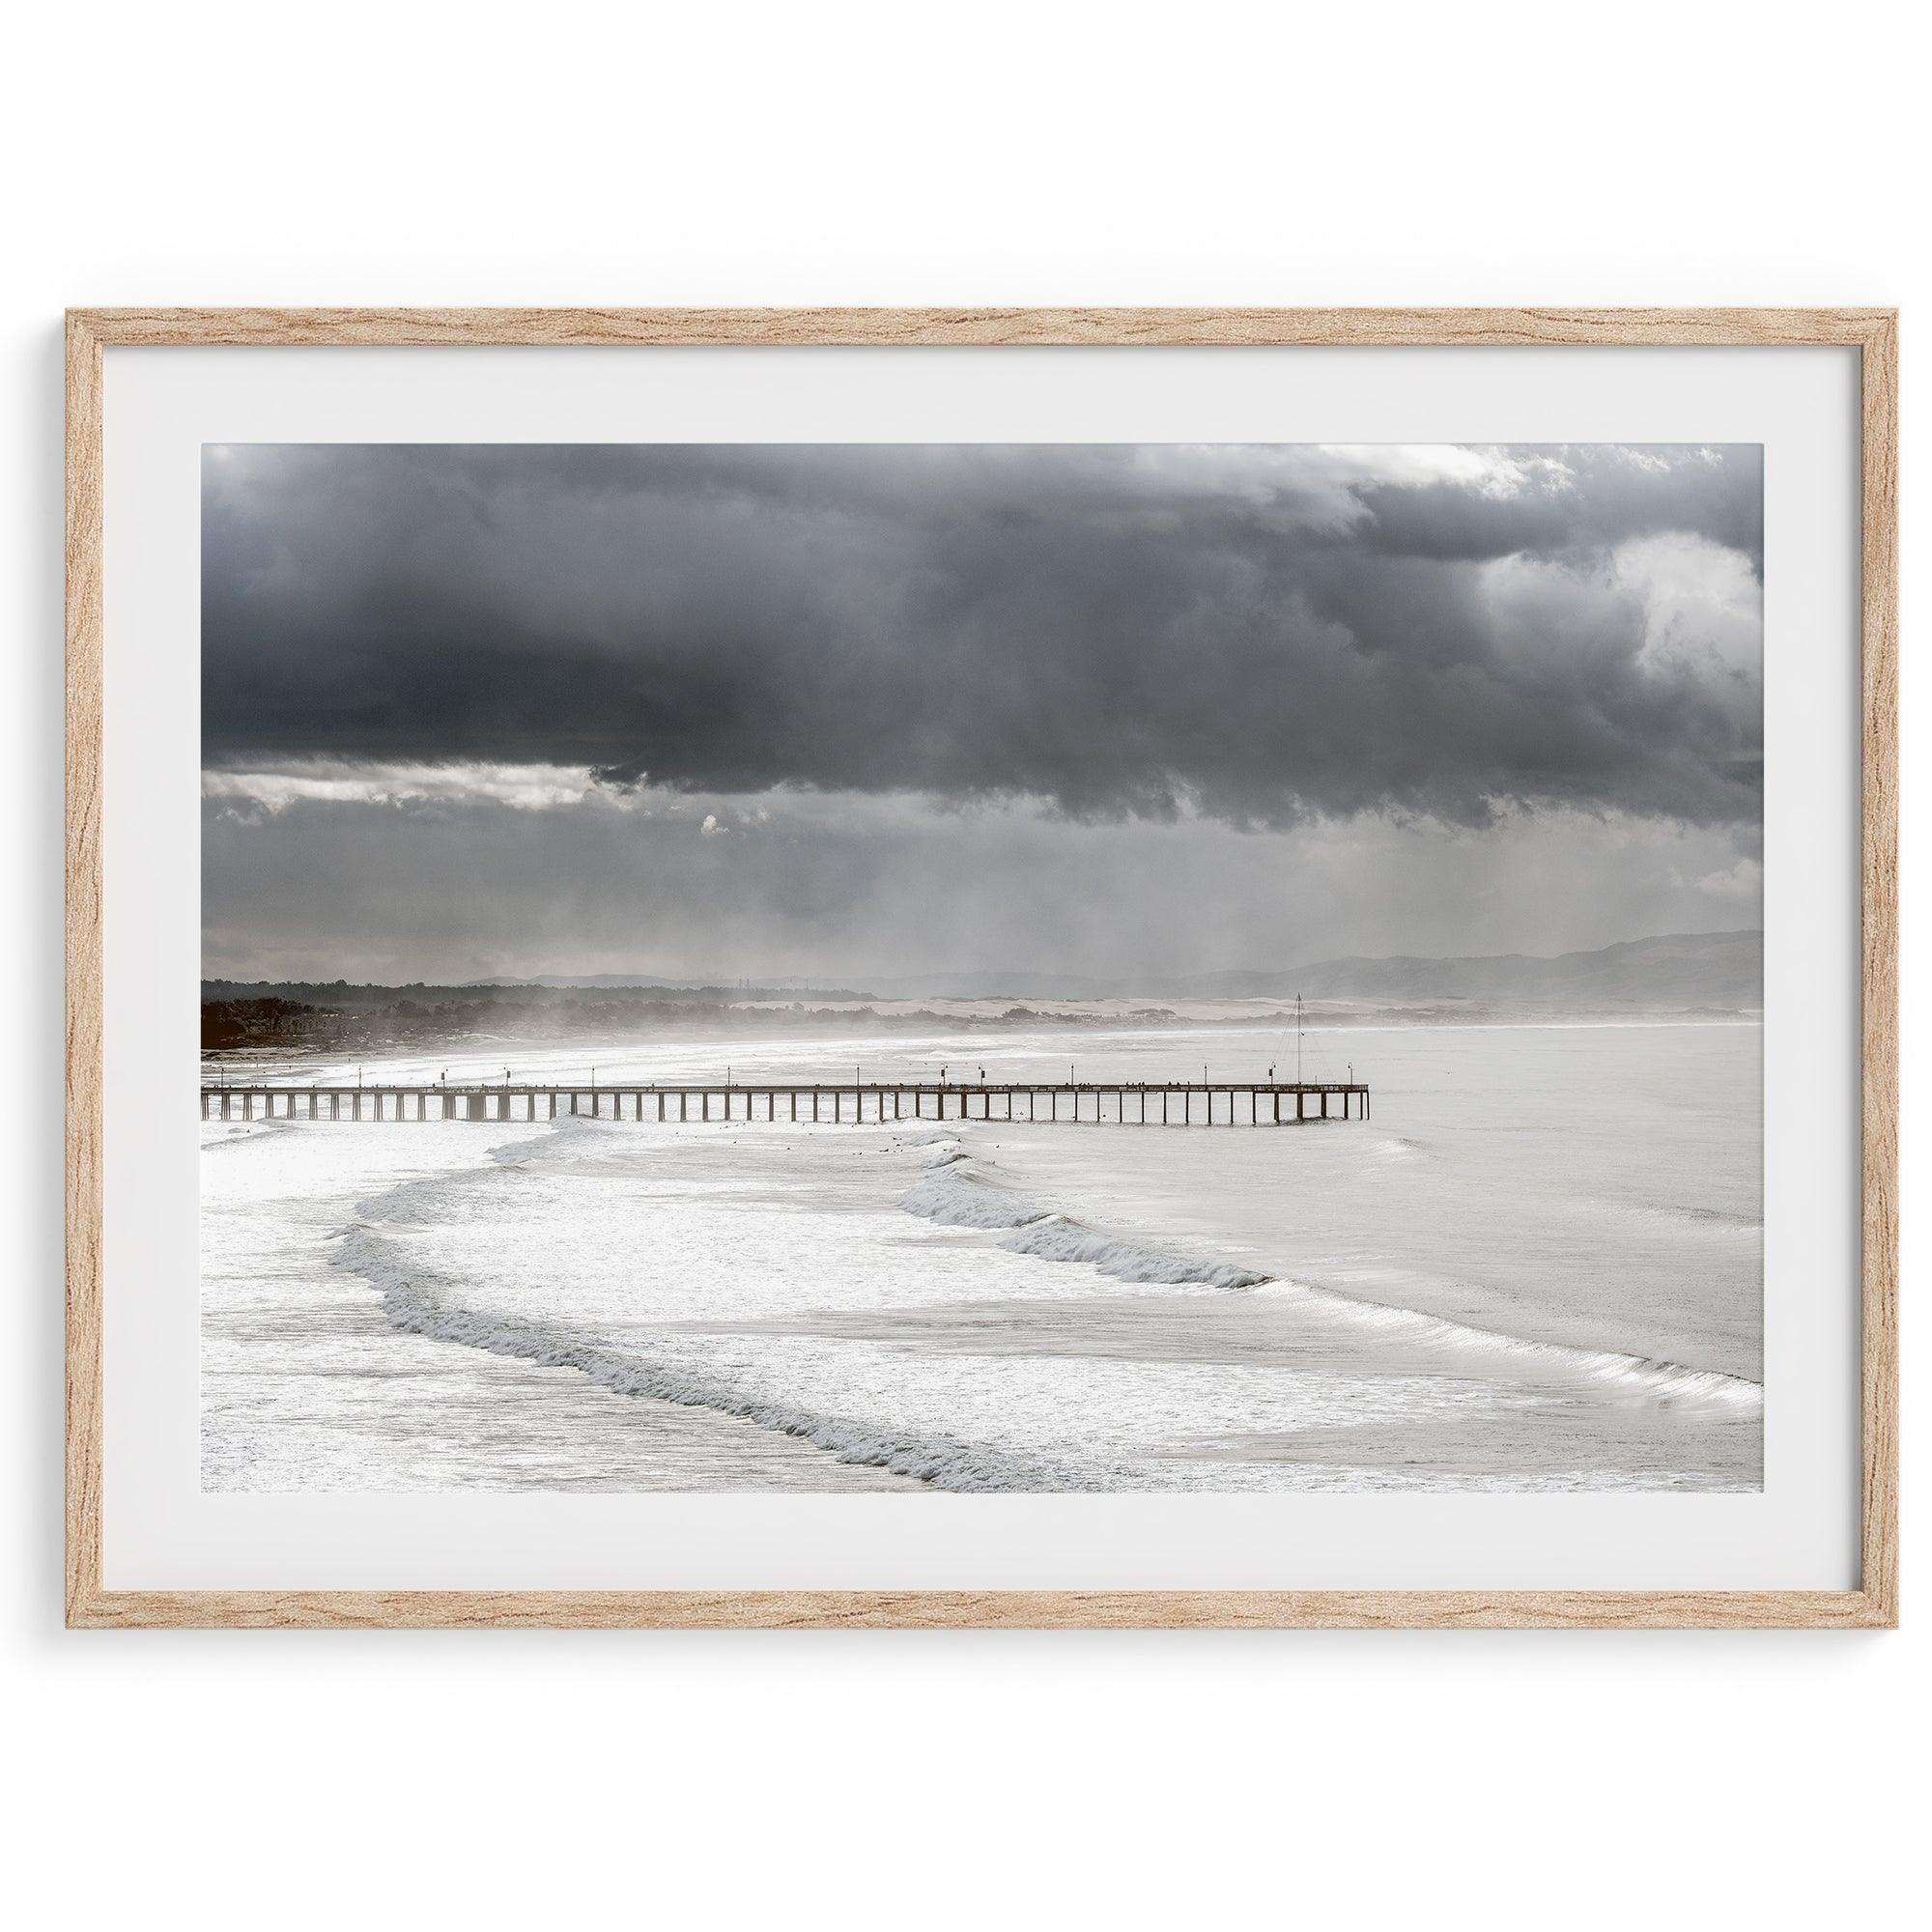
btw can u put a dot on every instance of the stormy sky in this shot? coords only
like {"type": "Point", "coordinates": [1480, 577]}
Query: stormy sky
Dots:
{"type": "Point", "coordinates": [820, 712]}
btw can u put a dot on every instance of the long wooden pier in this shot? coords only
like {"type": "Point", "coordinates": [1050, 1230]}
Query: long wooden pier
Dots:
{"type": "Point", "coordinates": [1131, 1104]}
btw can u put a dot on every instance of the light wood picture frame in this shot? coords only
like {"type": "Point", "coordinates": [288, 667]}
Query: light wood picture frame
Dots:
{"type": "Point", "coordinates": [91, 1604]}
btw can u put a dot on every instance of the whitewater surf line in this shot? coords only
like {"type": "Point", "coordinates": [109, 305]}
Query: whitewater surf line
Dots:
{"type": "Point", "coordinates": [416, 1304]}
{"type": "Point", "coordinates": [960, 1192]}
{"type": "Point", "coordinates": [961, 1188]}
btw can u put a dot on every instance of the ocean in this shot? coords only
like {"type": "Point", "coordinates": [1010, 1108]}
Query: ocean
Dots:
{"type": "Point", "coordinates": [1537, 1268]}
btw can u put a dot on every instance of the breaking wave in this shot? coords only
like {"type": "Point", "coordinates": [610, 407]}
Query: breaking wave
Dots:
{"type": "Point", "coordinates": [1058, 1238]}
{"type": "Point", "coordinates": [956, 1195]}
{"type": "Point", "coordinates": [961, 1194]}
{"type": "Point", "coordinates": [1640, 1376]}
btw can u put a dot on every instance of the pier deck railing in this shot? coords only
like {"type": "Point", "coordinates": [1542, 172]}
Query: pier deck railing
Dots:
{"type": "Point", "coordinates": [1110, 1102]}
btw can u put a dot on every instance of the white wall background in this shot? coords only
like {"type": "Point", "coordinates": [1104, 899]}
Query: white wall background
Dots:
{"type": "Point", "coordinates": [404, 152]}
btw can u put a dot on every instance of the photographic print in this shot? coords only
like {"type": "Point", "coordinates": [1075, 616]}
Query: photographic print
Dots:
{"type": "Point", "coordinates": [996, 968]}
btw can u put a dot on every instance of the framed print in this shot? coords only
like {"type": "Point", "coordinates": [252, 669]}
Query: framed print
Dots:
{"type": "Point", "coordinates": [1030, 968]}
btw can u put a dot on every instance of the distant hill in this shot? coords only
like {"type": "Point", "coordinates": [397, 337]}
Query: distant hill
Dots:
{"type": "Point", "coordinates": [1672, 969]}
{"type": "Point", "coordinates": [1679, 968]}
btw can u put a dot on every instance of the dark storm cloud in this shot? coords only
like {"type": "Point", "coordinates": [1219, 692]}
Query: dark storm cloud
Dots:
{"type": "Point", "coordinates": [1266, 636]}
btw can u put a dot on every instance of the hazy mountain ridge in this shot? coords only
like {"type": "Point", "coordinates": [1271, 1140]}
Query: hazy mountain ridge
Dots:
{"type": "Point", "coordinates": [1699, 969]}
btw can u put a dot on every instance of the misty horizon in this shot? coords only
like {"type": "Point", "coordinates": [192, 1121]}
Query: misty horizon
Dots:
{"type": "Point", "coordinates": [858, 980]}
